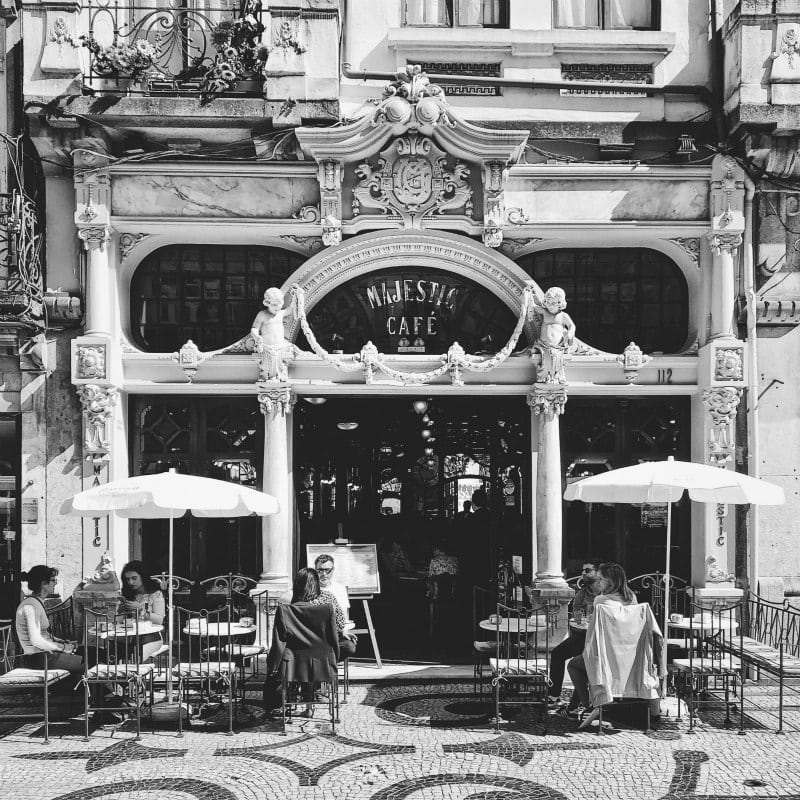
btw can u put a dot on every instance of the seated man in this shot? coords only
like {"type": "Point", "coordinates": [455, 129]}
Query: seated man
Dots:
{"type": "Point", "coordinates": [334, 596]}
{"type": "Point", "coordinates": [573, 645]}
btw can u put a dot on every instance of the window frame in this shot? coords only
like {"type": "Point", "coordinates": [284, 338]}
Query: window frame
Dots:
{"type": "Point", "coordinates": [452, 16]}
{"type": "Point", "coordinates": [655, 18]}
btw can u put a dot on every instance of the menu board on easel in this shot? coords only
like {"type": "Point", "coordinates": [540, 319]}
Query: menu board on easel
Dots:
{"type": "Point", "coordinates": [356, 566]}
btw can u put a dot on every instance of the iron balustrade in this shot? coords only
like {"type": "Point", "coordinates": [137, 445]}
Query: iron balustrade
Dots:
{"type": "Point", "coordinates": [182, 36]}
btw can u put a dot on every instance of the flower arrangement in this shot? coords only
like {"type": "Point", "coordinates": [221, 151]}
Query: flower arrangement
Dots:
{"type": "Point", "coordinates": [239, 51]}
{"type": "Point", "coordinates": [121, 59]}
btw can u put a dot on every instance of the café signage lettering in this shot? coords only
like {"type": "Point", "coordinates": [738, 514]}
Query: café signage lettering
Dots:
{"type": "Point", "coordinates": [394, 296]}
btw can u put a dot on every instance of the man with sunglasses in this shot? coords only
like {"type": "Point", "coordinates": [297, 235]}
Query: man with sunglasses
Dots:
{"type": "Point", "coordinates": [582, 606]}
{"type": "Point", "coordinates": [337, 596]}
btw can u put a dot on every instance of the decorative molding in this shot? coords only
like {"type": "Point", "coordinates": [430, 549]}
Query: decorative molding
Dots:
{"type": "Point", "coordinates": [778, 311]}
{"type": "Point", "coordinates": [308, 214]}
{"type": "Point", "coordinates": [690, 246]}
{"type": "Point", "coordinates": [189, 358]}
{"type": "Point", "coordinates": [411, 179]}
{"type": "Point", "coordinates": [789, 45]}
{"type": "Point", "coordinates": [556, 335]}
{"type": "Point", "coordinates": [90, 362]}
{"type": "Point", "coordinates": [276, 398]}
{"type": "Point", "coordinates": [127, 241]}
{"type": "Point", "coordinates": [729, 364]}
{"type": "Point", "coordinates": [310, 244]}
{"type": "Point", "coordinates": [632, 360]}
{"type": "Point", "coordinates": [98, 404]}
{"type": "Point", "coordinates": [512, 246]}
{"type": "Point", "coordinates": [721, 403]}
{"type": "Point", "coordinates": [60, 51]}
{"type": "Point", "coordinates": [547, 399]}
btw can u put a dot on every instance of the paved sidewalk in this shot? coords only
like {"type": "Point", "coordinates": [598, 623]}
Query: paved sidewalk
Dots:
{"type": "Point", "coordinates": [397, 741]}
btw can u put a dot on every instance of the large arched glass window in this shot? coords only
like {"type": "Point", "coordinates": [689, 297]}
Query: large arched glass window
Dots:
{"type": "Point", "coordinates": [411, 310]}
{"type": "Point", "coordinates": [206, 293]}
{"type": "Point", "coordinates": [618, 295]}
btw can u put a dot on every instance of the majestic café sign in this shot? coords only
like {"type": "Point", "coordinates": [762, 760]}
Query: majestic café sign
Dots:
{"type": "Point", "coordinates": [412, 309]}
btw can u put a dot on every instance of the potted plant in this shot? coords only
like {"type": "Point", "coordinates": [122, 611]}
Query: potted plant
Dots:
{"type": "Point", "coordinates": [240, 52]}
{"type": "Point", "coordinates": [121, 59]}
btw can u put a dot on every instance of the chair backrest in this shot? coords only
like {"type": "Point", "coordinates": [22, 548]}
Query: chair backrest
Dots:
{"type": "Point", "coordinates": [650, 587]}
{"type": "Point", "coordinates": [309, 632]}
{"type": "Point", "coordinates": [111, 638]}
{"type": "Point", "coordinates": [225, 584]}
{"type": "Point", "coordinates": [6, 655]}
{"type": "Point", "coordinates": [718, 632]}
{"type": "Point", "coordinates": [263, 607]}
{"type": "Point", "coordinates": [523, 635]}
{"type": "Point", "coordinates": [62, 620]}
{"type": "Point", "coordinates": [204, 641]}
{"type": "Point", "coordinates": [482, 607]}
{"type": "Point", "coordinates": [179, 584]}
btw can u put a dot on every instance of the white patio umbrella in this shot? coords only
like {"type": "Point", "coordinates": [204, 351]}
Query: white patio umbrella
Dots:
{"type": "Point", "coordinates": [666, 482]}
{"type": "Point", "coordinates": [166, 495]}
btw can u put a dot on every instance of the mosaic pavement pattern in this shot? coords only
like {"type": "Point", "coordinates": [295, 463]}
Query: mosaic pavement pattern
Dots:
{"type": "Point", "coordinates": [398, 741]}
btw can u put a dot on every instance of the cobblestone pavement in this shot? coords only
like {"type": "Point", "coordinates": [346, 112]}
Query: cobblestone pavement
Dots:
{"type": "Point", "coordinates": [397, 741]}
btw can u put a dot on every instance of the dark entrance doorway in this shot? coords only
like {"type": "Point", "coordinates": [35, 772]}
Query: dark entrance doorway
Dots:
{"type": "Point", "coordinates": [397, 472]}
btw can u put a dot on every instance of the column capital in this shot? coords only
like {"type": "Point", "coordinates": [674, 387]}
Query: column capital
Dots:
{"type": "Point", "coordinates": [94, 237]}
{"type": "Point", "coordinates": [724, 242]}
{"type": "Point", "coordinates": [276, 399]}
{"type": "Point", "coordinates": [546, 398]}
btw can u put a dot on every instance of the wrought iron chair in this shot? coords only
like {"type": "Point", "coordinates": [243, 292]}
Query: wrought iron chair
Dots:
{"type": "Point", "coordinates": [715, 641]}
{"type": "Point", "coordinates": [651, 587]}
{"type": "Point", "coordinates": [113, 645]}
{"type": "Point", "coordinates": [62, 620]}
{"type": "Point", "coordinates": [204, 643]}
{"type": "Point", "coordinates": [521, 664]}
{"type": "Point", "coordinates": [304, 653]}
{"type": "Point", "coordinates": [19, 679]}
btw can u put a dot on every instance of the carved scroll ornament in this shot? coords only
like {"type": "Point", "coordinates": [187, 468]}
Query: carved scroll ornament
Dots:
{"type": "Point", "coordinates": [721, 403]}
{"type": "Point", "coordinates": [98, 404]}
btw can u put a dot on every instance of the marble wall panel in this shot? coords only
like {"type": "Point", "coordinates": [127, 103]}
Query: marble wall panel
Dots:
{"type": "Point", "coordinates": [582, 200]}
{"type": "Point", "coordinates": [207, 196]}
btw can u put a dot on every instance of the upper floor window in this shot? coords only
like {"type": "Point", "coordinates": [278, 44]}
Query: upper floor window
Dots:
{"type": "Point", "coordinates": [606, 14]}
{"type": "Point", "coordinates": [207, 293]}
{"type": "Point", "coordinates": [457, 13]}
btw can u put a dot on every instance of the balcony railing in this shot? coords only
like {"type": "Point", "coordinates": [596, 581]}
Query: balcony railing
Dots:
{"type": "Point", "coordinates": [182, 37]}
{"type": "Point", "coordinates": [21, 293]}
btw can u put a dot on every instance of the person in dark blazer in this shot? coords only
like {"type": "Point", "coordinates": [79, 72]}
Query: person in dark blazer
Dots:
{"type": "Point", "coordinates": [305, 642]}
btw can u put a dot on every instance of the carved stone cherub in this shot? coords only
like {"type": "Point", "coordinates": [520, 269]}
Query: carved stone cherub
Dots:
{"type": "Point", "coordinates": [715, 573]}
{"type": "Point", "coordinates": [104, 576]}
{"type": "Point", "coordinates": [269, 338]}
{"type": "Point", "coordinates": [556, 335]}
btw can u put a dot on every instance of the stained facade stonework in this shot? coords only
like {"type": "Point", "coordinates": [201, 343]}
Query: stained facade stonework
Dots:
{"type": "Point", "coordinates": [355, 173]}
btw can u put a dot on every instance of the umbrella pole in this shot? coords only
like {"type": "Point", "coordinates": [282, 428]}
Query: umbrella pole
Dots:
{"type": "Point", "coordinates": [170, 621]}
{"type": "Point", "coordinates": [666, 602]}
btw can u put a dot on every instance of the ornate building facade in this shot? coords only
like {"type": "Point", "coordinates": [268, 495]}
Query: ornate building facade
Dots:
{"type": "Point", "coordinates": [424, 186]}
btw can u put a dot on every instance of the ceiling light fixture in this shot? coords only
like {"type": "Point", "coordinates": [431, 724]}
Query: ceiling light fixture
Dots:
{"type": "Point", "coordinates": [316, 401]}
{"type": "Point", "coordinates": [420, 406]}
{"type": "Point", "coordinates": [346, 426]}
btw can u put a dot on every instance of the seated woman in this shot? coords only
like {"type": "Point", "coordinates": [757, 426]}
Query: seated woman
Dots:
{"type": "Point", "coordinates": [142, 596]}
{"type": "Point", "coordinates": [305, 592]}
{"type": "Point", "coordinates": [614, 588]}
{"type": "Point", "coordinates": [33, 626]}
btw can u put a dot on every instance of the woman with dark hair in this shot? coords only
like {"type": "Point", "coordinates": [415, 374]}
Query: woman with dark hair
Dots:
{"type": "Point", "coordinates": [142, 596]}
{"type": "Point", "coordinates": [33, 626]}
{"type": "Point", "coordinates": [305, 587]}
{"type": "Point", "coordinates": [614, 588]}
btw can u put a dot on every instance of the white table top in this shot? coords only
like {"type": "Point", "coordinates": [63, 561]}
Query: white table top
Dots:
{"type": "Point", "coordinates": [220, 629]}
{"type": "Point", "coordinates": [120, 631]}
{"type": "Point", "coordinates": [695, 626]}
{"type": "Point", "coordinates": [514, 624]}
{"type": "Point", "coordinates": [579, 626]}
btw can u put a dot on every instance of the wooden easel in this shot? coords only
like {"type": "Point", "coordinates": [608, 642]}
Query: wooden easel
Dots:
{"type": "Point", "coordinates": [370, 629]}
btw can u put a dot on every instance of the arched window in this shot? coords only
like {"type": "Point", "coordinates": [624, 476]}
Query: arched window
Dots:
{"type": "Point", "coordinates": [206, 293]}
{"type": "Point", "coordinates": [618, 295]}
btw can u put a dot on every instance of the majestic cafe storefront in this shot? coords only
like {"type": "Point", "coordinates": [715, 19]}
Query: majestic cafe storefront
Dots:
{"type": "Point", "coordinates": [414, 344]}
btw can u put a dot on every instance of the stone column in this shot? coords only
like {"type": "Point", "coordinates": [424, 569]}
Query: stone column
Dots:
{"type": "Point", "coordinates": [724, 247]}
{"type": "Point", "coordinates": [276, 401]}
{"type": "Point", "coordinates": [547, 402]}
{"type": "Point", "coordinates": [98, 280]}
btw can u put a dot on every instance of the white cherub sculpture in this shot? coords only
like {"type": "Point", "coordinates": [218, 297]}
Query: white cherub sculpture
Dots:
{"type": "Point", "coordinates": [556, 335]}
{"type": "Point", "coordinates": [270, 340]}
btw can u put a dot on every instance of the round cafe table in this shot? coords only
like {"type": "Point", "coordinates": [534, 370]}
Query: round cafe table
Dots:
{"type": "Point", "coordinates": [579, 627]}
{"type": "Point", "coordinates": [515, 624]}
{"type": "Point", "coordinates": [125, 631]}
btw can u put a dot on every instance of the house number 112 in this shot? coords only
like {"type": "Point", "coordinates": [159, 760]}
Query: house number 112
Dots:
{"type": "Point", "coordinates": [665, 376]}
